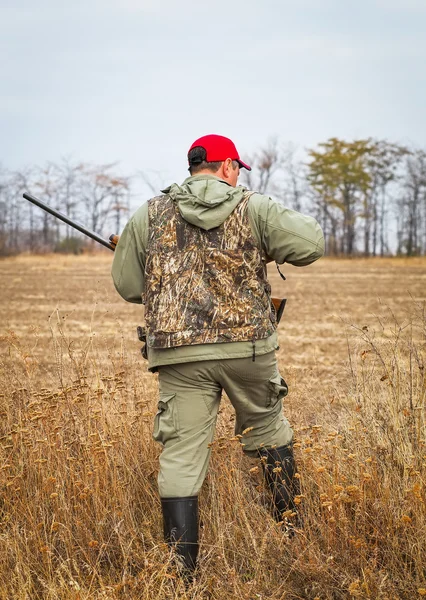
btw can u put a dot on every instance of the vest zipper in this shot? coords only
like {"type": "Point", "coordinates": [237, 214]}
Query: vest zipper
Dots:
{"type": "Point", "coordinates": [254, 350]}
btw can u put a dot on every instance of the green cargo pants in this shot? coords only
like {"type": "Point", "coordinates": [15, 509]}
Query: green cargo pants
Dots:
{"type": "Point", "coordinates": [185, 423]}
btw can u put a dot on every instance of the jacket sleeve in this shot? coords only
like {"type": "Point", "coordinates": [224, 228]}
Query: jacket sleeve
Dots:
{"type": "Point", "coordinates": [128, 266]}
{"type": "Point", "coordinates": [284, 234]}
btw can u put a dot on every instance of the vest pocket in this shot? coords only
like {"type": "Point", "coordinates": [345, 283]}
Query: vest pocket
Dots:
{"type": "Point", "coordinates": [278, 389]}
{"type": "Point", "coordinates": [165, 421]}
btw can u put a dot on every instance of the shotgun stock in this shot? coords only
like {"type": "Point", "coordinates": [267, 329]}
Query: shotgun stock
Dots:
{"type": "Point", "coordinates": [279, 305]}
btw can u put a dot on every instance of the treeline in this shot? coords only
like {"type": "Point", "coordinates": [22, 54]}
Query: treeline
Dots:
{"type": "Point", "coordinates": [368, 195]}
{"type": "Point", "coordinates": [94, 195]}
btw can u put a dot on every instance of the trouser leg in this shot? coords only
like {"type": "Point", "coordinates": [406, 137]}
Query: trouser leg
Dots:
{"type": "Point", "coordinates": [256, 390]}
{"type": "Point", "coordinates": [185, 425]}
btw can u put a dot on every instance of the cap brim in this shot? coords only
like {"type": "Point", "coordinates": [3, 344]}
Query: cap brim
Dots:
{"type": "Point", "coordinates": [243, 164]}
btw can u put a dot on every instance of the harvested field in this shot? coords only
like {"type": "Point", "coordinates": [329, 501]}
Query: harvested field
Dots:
{"type": "Point", "coordinates": [79, 512]}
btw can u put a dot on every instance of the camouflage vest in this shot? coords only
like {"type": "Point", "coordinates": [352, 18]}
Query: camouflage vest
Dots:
{"type": "Point", "coordinates": [204, 287]}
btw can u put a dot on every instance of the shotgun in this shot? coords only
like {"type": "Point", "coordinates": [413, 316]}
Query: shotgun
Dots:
{"type": "Point", "coordinates": [278, 303]}
{"type": "Point", "coordinates": [56, 213]}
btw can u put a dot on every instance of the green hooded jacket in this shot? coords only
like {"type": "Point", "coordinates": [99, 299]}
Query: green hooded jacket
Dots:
{"type": "Point", "coordinates": [206, 201]}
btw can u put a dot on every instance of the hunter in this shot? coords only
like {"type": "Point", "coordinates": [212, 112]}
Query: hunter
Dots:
{"type": "Point", "coordinates": [196, 257]}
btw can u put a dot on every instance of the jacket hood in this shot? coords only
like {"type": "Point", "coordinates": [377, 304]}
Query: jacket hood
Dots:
{"type": "Point", "coordinates": [205, 200]}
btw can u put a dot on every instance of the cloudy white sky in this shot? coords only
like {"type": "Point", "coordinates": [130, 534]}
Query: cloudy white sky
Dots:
{"type": "Point", "coordinates": [136, 81]}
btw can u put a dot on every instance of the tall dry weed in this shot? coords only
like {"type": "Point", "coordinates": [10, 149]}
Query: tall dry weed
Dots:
{"type": "Point", "coordinates": [79, 510]}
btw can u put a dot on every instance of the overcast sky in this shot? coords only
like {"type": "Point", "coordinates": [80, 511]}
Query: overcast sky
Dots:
{"type": "Point", "coordinates": [136, 81]}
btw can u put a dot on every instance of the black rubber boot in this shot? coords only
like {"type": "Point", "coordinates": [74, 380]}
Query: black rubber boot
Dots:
{"type": "Point", "coordinates": [279, 467]}
{"type": "Point", "coordinates": [180, 517]}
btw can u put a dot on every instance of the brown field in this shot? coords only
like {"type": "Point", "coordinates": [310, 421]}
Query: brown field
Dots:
{"type": "Point", "coordinates": [79, 511]}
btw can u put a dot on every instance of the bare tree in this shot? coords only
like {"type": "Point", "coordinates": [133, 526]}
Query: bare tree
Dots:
{"type": "Point", "coordinates": [384, 163]}
{"type": "Point", "coordinates": [67, 199]}
{"type": "Point", "coordinates": [4, 212]}
{"type": "Point", "coordinates": [100, 191]}
{"type": "Point", "coordinates": [152, 180]}
{"type": "Point", "coordinates": [295, 178]}
{"type": "Point", "coordinates": [121, 204]}
{"type": "Point", "coordinates": [22, 224]}
{"type": "Point", "coordinates": [266, 165]}
{"type": "Point", "coordinates": [411, 206]}
{"type": "Point", "coordinates": [47, 184]}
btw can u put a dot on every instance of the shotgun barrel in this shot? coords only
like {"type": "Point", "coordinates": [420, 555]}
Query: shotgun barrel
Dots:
{"type": "Point", "coordinates": [279, 303]}
{"type": "Point", "coordinates": [71, 222]}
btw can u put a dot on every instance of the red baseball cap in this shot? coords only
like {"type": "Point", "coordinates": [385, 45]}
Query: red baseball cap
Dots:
{"type": "Point", "coordinates": [219, 148]}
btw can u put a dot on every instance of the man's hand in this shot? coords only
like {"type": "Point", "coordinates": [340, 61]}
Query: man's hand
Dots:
{"type": "Point", "coordinates": [113, 240]}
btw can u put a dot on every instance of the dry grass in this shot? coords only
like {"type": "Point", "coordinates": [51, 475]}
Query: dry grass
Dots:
{"type": "Point", "coordinates": [79, 512]}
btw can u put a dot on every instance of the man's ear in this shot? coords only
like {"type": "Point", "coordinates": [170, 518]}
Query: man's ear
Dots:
{"type": "Point", "coordinates": [227, 167]}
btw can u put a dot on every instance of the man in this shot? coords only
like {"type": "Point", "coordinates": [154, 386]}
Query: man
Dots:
{"type": "Point", "coordinates": [196, 257]}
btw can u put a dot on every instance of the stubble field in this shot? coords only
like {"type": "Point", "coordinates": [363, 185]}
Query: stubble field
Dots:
{"type": "Point", "coordinates": [79, 512]}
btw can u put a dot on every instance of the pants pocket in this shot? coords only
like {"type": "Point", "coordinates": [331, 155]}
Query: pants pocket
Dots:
{"type": "Point", "coordinates": [165, 421]}
{"type": "Point", "coordinates": [278, 389]}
